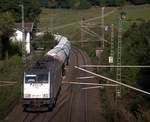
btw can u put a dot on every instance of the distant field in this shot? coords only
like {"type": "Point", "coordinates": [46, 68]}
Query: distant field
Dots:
{"type": "Point", "coordinates": [133, 13]}
{"type": "Point", "coordinates": [58, 17]}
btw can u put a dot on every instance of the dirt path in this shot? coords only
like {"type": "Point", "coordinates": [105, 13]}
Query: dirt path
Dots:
{"type": "Point", "coordinates": [74, 104]}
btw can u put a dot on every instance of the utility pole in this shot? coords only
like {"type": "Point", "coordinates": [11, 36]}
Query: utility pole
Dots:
{"type": "Point", "coordinates": [102, 27]}
{"type": "Point", "coordinates": [81, 30]}
{"type": "Point", "coordinates": [100, 49]}
{"type": "Point", "coordinates": [118, 75]}
{"type": "Point", "coordinates": [23, 35]}
{"type": "Point", "coordinates": [111, 58]}
{"type": "Point", "coordinates": [52, 22]}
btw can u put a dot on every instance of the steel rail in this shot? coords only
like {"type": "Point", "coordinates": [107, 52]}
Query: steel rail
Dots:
{"type": "Point", "coordinates": [85, 93]}
{"type": "Point", "coordinates": [70, 106]}
{"type": "Point", "coordinates": [72, 91]}
{"type": "Point", "coordinates": [86, 106]}
{"type": "Point", "coordinates": [25, 118]}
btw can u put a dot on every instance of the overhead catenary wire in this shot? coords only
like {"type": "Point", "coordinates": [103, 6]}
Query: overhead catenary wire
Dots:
{"type": "Point", "coordinates": [122, 84]}
{"type": "Point", "coordinates": [7, 85]}
{"type": "Point", "coordinates": [93, 84]}
{"type": "Point", "coordinates": [115, 66]}
{"type": "Point", "coordinates": [10, 82]}
{"type": "Point", "coordinates": [85, 41]}
{"type": "Point", "coordinates": [94, 87]}
{"type": "Point", "coordinates": [88, 77]}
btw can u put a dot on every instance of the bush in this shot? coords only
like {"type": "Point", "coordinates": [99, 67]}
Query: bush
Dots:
{"type": "Point", "coordinates": [84, 4]}
{"type": "Point", "coordinates": [15, 48]}
{"type": "Point", "coordinates": [46, 41]}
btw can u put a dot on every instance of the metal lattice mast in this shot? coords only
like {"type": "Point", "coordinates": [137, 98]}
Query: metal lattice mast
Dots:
{"type": "Point", "coordinates": [111, 58]}
{"type": "Point", "coordinates": [112, 41]}
{"type": "Point", "coordinates": [118, 75]}
{"type": "Point", "coordinates": [102, 27]}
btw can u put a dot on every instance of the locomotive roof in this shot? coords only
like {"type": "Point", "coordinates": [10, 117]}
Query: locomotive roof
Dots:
{"type": "Point", "coordinates": [43, 65]}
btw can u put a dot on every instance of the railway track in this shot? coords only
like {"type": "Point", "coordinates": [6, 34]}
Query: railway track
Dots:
{"type": "Point", "coordinates": [79, 61]}
{"type": "Point", "coordinates": [30, 117]}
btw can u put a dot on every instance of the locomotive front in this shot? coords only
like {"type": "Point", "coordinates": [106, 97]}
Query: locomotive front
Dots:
{"type": "Point", "coordinates": [36, 89]}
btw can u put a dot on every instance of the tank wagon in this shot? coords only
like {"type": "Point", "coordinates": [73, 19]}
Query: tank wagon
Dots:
{"type": "Point", "coordinates": [42, 80]}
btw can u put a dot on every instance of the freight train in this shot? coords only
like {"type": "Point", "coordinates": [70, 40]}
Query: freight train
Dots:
{"type": "Point", "coordinates": [42, 80]}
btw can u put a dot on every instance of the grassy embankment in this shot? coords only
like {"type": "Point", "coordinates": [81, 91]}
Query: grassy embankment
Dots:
{"type": "Point", "coordinates": [10, 71]}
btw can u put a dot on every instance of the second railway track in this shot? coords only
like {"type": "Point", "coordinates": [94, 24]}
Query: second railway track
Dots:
{"type": "Point", "coordinates": [76, 90]}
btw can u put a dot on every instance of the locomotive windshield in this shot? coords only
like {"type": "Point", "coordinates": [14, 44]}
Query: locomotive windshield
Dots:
{"type": "Point", "coordinates": [40, 78]}
{"type": "Point", "coordinates": [30, 78]}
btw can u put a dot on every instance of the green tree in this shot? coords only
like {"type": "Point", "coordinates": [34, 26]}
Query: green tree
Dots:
{"type": "Point", "coordinates": [31, 9]}
{"type": "Point", "coordinates": [47, 41]}
{"type": "Point", "coordinates": [143, 76]}
{"type": "Point", "coordinates": [135, 51]}
{"type": "Point", "coordinates": [96, 2]}
{"type": "Point", "coordinates": [114, 2]}
{"type": "Point", "coordinates": [52, 4]}
{"type": "Point", "coordinates": [84, 4]}
{"type": "Point", "coordinates": [134, 48]}
{"type": "Point", "coordinates": [7, 26]}
{"type": "Point", "coordinates": [137, 2]}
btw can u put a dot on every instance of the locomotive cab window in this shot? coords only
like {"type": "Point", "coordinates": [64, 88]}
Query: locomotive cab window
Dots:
{"type": "Point", "coordinates": [42, 78]}
{"type": "Point", "coordinates": [30, 78]}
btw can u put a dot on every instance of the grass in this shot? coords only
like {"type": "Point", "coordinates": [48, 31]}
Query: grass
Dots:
{"type": "Point", "coordinates": [12, 70]}
{"type": "Point", "coordinates": [133, 15]}
{"type": "Point", "coordinates": [59, 17]}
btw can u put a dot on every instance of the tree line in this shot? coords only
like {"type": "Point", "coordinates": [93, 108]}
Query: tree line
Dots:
{"type": "Point", "coordinates": [31, 9]}
{"type": "Point", "coordinates": [135, 51]}
{"type": "Point", "coordinates": [83, 4]}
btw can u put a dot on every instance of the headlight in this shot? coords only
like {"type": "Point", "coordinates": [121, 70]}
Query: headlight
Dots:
{"type": "Point", "coordinates": [27, 95]}
{"type": "Point", "coordinates": [45, 95]}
